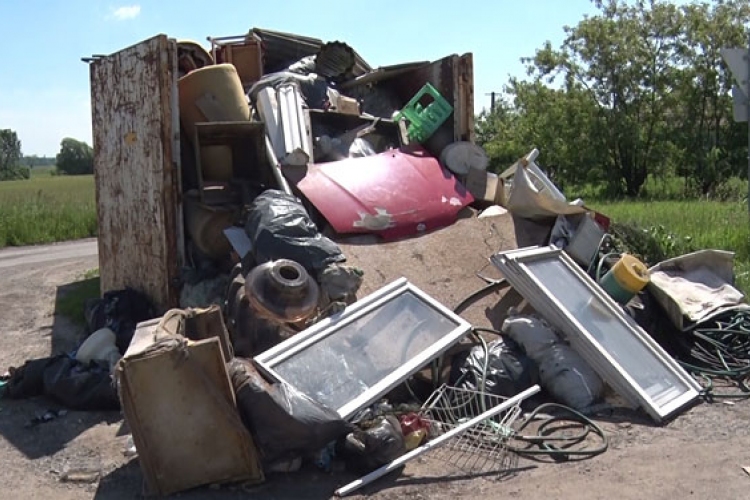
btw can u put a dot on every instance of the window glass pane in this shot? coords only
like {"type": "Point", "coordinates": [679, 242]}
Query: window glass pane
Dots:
{"type": "Point", "coordinates": [634, 357]}
{"type": "Point", "coordinates": [345, 364]}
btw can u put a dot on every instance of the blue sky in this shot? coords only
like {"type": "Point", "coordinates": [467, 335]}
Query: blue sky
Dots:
{"type": "Point", "coordinates": [44, 86]}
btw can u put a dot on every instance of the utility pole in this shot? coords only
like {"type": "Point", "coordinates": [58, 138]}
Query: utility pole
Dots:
{"type": "Point", "coordinates": [492, 100]}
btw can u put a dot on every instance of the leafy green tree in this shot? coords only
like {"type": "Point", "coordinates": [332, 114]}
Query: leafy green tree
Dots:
{"type": "Point", "coordinates": [638, 90]}
{"type": "Point", "coordinates": [711, 145]}
{"type": "Point", "coordinates": [75, 157]}
{"type": "Point", "coordinates": [10, 157]}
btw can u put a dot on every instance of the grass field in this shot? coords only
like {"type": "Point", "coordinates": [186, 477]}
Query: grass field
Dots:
{"type": "Point", "coordinates": [46, 208]}
{"type": "Point", "coordinates": [50, 208]}
{"type": "Point", "coordinates": [685, 226]}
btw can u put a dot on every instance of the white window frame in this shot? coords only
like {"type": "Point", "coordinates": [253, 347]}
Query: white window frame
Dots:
{"type": "Point", "coordinates": [513, 264]}
{"type": "Point", "coordinates": [330, 326]}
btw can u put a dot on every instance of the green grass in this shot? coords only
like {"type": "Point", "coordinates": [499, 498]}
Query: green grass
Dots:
{"type": "Point", "coordinates": [683, 226]}
{"type": "Point", "coordinates": [43, 171]}
{"type": "Point", "coordinates": [70, 303]}
{"type": "Point", "coordinates": [46, 209]}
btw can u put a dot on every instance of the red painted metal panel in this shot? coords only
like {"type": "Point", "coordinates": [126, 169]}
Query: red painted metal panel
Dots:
{"type": "Point", "coordinates": [394, 194]}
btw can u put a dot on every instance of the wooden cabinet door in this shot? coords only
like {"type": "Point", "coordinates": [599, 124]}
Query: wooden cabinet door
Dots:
{"type": "Point", "coordinates": [136, 129]}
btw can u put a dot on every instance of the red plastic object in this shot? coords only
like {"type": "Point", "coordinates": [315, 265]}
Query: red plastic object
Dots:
{"type": "Point", "coordinates": [394, 194]}
{"type": "Point", "coordinates": [411, 422]}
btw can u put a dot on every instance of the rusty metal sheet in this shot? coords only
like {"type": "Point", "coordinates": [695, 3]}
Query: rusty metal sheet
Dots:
{"type": "Point", "coordinates": [136, 169]}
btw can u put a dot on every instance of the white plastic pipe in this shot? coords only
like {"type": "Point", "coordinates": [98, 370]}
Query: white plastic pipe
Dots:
{"type": "Point", "coordinates": [438, 441]}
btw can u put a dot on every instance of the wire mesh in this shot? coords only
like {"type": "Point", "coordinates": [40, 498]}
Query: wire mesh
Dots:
{"type": "Point", "coordinates": [482, 448]}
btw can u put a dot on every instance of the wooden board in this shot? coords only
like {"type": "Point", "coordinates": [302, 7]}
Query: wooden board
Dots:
{"type": "Point", "coordinates": [136, 169]}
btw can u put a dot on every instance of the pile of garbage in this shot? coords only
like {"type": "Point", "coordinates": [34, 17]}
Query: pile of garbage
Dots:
{"type": "Point", "coordinates": [274, 362]}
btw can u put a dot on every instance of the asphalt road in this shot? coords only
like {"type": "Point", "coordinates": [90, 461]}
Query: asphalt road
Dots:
{"type": "Point", "coordinates": [37, 254]}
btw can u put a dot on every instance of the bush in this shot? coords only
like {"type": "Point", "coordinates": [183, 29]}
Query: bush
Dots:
{"type": "Point", "coordinates": [732, 189]}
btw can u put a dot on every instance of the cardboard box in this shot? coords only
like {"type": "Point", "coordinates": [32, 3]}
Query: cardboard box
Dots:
{"type": "Point", "coordinates": [179, 404]}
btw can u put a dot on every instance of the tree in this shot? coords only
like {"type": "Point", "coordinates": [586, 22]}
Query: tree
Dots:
{"type": "Point", "coordinates": [10, 157]}
{"type": "Point", "coordinates": [75, 157]}
{"type": "Point", "coordinates": [638, 90]}
{"type": "Point", "coordinates": [710, 144]}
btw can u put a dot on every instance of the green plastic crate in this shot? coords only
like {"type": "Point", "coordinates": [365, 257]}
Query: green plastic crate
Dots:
{"type": "Point", "coordinates": [423, 121]}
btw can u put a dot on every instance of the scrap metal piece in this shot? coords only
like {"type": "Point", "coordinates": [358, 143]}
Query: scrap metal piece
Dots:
{"type": "Point", "coordinates": [396, 193]}
{"type": "Point", "coordinates": [282, 49]}
{"type": "Point", "coordinates": [334, 60]}
{"type": "Point", "coordinates": [282, 291]}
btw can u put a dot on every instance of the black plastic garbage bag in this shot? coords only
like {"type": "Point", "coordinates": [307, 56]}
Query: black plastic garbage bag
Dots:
{"type": "Point", "coordinates": [284, 422]}
{"type": "Point", "coordinates": [75, 385]}
{"type": "Point", "coordinates": [509, 369]}
{"type": "Point", "coordinates": [279, 227]}
{"type": "Point", "coordinates": [368, 449]}
{"type": "Point", "coordinates": [120, 311]}
{"type": "Point", "coordinates": [27, 381]}
{"type": "Point", "coordinates": [81, 386]}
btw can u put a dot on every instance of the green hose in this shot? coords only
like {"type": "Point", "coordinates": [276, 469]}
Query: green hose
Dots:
{"type": "Point", "coordinates": [546, 442]}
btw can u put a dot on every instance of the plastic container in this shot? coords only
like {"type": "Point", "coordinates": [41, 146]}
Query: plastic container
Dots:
{"type": "Point", "coordinates": [422, 120]}
{"type": "Point", "coordinates": [626, 278]}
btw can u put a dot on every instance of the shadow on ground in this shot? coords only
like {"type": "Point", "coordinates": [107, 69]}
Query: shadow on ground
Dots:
{"type": "Point", "coordinates": [38, 426]}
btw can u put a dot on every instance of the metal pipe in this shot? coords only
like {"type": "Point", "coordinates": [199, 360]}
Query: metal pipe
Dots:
{"type": "Point", "coordinates": [438, 441]}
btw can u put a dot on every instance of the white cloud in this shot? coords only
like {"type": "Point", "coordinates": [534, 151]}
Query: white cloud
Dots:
{"type": "Point", "coordinates": [126, 12]}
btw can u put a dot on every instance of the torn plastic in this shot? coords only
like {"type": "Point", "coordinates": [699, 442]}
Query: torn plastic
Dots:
{"type": "Point", "coordinates": [121, 311]}
{"type": "Point", "coordinates": [284, 422]}
{"type": "Point", "coordinates": [279, 227]}
{"type": "Point", "coordinates": [562, 371]}
{"type": "Point", "coordinates": [504, 370]}
{"type": "Point", "coordinates": [378, 444]}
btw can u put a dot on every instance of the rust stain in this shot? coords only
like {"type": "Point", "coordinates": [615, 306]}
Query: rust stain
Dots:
{"type": "Point", "coordinates": [132, 119]}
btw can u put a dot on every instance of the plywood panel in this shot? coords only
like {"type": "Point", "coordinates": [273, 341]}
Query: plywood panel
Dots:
{"type": "Point", "coordinates": [136, 168]}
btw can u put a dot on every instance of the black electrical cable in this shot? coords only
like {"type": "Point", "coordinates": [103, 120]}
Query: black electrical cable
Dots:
{"type": "Point", "coordinates": [559, 447]}
{"type": "Point", "coordinates": [489, 288]}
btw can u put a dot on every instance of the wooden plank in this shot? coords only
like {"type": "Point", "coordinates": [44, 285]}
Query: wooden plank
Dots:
{"type": "Point", "coordinates": [136, 169]}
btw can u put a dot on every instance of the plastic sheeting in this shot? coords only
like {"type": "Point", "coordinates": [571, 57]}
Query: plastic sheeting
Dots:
{"type": "Point", "coordinates": [284, 421]}
{"type": "Point", "coordinates": [562, 371]}
{"type": "Point", "coordinates": [279, 227]}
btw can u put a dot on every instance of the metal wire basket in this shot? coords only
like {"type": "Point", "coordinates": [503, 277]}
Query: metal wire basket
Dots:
{"type": "Point", "coordinates": [482, 448]}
